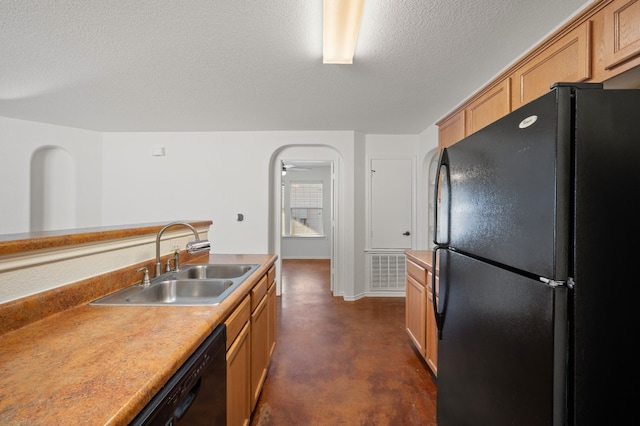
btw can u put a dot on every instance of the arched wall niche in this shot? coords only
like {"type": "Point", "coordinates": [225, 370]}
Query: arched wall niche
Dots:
{"type": "Point", "coordinates": [52, 190]}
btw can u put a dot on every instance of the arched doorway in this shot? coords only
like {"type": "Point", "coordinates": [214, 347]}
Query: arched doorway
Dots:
{"type": "Point", "coordinates": [318, 156]}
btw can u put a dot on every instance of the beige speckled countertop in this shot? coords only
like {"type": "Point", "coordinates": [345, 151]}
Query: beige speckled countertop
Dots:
{"type": "Point", "coordinates": [100, 365]}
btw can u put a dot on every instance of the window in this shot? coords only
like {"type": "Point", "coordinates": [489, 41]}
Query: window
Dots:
{"type": "Point", "coordinates": [302, 209]}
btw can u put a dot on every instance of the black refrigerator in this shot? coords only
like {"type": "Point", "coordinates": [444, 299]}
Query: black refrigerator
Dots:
{"type": "Point", "coordinates": [536, 233]}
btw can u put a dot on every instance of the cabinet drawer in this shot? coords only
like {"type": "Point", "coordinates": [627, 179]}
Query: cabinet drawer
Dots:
{"type": "Point", "coordinates": [258, 292]}
{"type": "Point", "coordinates": [271, 275]}
{"type": "Point", "coordinates": [417, 272]}
{"type": "Point", "coordinates": [237, 320]}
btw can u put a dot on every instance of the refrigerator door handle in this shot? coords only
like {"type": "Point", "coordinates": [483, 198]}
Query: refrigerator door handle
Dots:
{"type": "Point", "coordinates": [443, 163]}
{"type": "Point", "coordinates": [439, 316]}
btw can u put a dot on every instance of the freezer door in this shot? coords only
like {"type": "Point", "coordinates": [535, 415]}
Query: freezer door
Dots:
{"type": "Point", "coordinates": [501, 360]}
{"type": "Point", "coordinates": [507, 189]}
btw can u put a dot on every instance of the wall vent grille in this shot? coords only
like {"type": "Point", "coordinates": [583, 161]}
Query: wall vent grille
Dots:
{"type": "Point", "coordinates": [388, 272]}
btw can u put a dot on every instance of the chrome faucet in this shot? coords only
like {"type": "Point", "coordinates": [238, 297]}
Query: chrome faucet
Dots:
{"type": "Point", "coordinates": [196, 246]}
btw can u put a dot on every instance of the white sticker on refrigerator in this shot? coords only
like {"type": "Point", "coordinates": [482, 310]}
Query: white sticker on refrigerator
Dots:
{"type": "Point", "coordinates": [528, 121]}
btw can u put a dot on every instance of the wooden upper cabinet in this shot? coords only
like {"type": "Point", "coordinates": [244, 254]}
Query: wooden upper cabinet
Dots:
{"type": "Point", "coordinates": [600, 43]}
{"type": "Point", "coordinates": [451, 130]}
{"type": "Point", "coordinates": [566, 60]}
{"type": "Point", "coordinates": [621, 32]}
{"type": "Point", "coordinates": [489, 107]}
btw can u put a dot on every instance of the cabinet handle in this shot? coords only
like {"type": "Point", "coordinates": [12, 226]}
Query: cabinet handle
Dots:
{"type": "Point", "coordinates": [406, 233]}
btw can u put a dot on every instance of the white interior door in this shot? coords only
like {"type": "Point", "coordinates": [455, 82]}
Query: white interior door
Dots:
{"type": "Point", "coordinates": [391, 203]}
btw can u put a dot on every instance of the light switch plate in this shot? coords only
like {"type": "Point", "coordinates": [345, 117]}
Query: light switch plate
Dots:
{"type": "Point", "coordinates": [158, 151]}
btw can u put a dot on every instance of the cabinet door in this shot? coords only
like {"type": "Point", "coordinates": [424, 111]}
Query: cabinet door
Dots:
{"type": "Point", "coordinates": [566, 60]}
{"type": "Point", "coordinates": [391, 203]}
{"type": "Point", "coordinates": [431, 352]}
{"type": "Point", "coordinates": [489, 107]}
{"type": "Point", "coordinates": [272, 301]}
{"type": "Point", "coordinates": [415, 311]}
{"type": "Point", "coordinates": [259, 349]}
{"type": "Point", "coordinates": [451, 130]}
{"type": "Point", "coordinates": [621, 32]}
{"type": "Point", "coordinates": [238, 380]}
{"type": "Point", "coordinates": [273, 306]}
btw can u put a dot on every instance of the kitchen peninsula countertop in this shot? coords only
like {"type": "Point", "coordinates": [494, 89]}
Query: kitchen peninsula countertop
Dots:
{"type": "Point", "coordinates": [100, 365]}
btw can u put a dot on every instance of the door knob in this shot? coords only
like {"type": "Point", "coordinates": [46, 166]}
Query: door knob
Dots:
{"type": "Point", "coordinates": [406, 233]}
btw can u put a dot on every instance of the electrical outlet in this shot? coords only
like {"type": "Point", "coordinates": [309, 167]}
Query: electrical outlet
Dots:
{"type": "Point", "coordinates": [175, 245]}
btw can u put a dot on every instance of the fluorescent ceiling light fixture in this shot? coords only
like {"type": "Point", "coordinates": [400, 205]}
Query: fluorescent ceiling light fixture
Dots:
{"type": "Point", "coordinates": [341, 24]}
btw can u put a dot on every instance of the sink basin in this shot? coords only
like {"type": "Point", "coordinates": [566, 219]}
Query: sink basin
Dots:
{"type": "Point", "coordinates": [215, 271]}
{"type": "Point", "coordinates": [181, 291]}
{"type": "Point", "coordinates": [195, 284]}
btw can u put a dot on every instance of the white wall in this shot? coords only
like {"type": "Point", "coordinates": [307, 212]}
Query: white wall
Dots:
{"type": "Point", "coordinates": [19, 139]}
{"type": "Point", "coordinates": [215, 176]}
{"type": "Point", "coordinates": [204, 176]}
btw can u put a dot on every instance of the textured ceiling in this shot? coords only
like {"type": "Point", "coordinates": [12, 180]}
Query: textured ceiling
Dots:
{"type": "Point", "coordinates": [224, 65]}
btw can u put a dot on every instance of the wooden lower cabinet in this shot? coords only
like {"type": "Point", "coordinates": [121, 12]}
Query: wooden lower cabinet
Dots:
{"type": "Point", "coordinates": [431, 351]}
{"type": "Point", "coordinates": [416, 311]}
{"type": "Point", "coordinates": [420, 319]}
{"type": "Point", "coordinates": [262, 332]}
{"type": "Point", "coordinates": [272, 301]}
{"type": "Point", "coordinates": [238, 380]}
{"type": "Point", "coordinates": [251, 339]}
{"type": "Point", "coordinates": [239, 365]}
{"type": "Point", "coordinates": [259, 349]}
{"type": "Point", "coordinates": [272, 306]}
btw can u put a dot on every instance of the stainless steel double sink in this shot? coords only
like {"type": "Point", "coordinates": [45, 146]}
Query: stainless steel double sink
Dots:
{"type": "Point", "coordinates": [201, 284]}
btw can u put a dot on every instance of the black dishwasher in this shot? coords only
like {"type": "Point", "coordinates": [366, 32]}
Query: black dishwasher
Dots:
{"type": "Point", "coordinates": [197, 393]}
